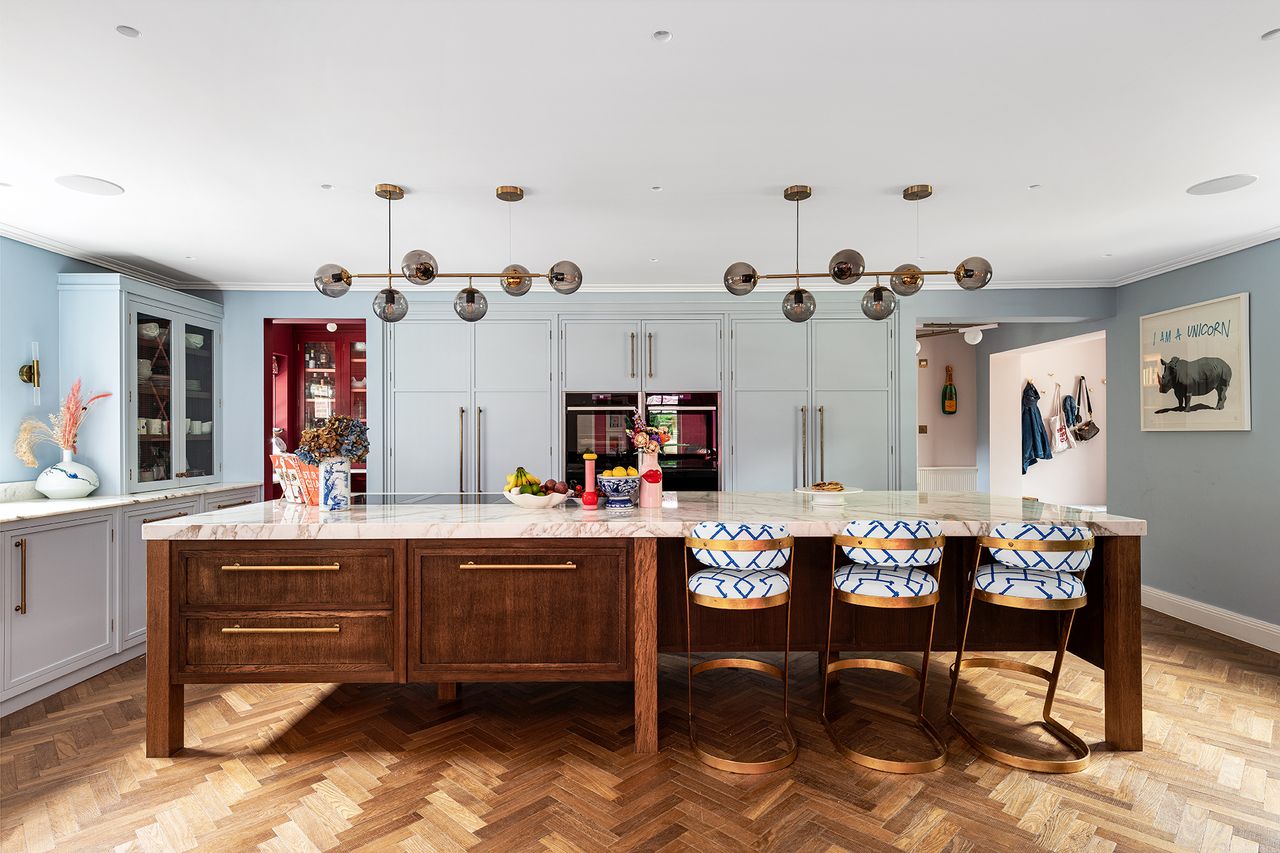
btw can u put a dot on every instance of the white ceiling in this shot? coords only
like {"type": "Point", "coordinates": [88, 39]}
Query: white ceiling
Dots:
{"type": "Point", "coordinates": [223, 119]}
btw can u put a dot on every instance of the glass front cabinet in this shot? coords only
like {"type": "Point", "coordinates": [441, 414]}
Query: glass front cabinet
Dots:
{"type": "Point", "coordinates": [174, 398]}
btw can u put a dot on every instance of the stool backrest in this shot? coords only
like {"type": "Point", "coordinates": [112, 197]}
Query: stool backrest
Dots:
{"type": "Point", "coordinates": [1038, 546]}
{"type": "Point", "coordinates": [882, 536]}
{"type": "Point", "coordinates": [729, 545]}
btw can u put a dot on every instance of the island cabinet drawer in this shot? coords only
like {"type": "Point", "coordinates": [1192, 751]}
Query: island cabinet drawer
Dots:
{"type": "Point", "coordinates": [296, 644]}
{"type": "Point", "coordinates": [521, 610]}
{"type": "Point", "coordinates": [289, 578]}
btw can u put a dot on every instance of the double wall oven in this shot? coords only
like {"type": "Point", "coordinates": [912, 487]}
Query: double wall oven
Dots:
{"type": "Point", "coordinates": [598, 423]}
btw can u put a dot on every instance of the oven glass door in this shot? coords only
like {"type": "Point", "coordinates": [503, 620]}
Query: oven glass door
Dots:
{"type": "Point", "coordinates": [689, 461]}
{"type": "Point", "coordinates": [598, 423]}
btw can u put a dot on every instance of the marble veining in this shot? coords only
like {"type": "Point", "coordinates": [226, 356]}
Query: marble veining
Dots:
{"type": "Point", "coordinates": [26, 510]}
{"type": "Point", "coordinates": [960, 513]}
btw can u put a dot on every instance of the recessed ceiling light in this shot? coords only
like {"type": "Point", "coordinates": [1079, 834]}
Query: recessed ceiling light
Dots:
{"type": "Point", "coordinates": [656, 189]}
{"type": "Point", "coordinates": [331, 327]}
{"type": "Point", "coordinates": [664, 36]}
{"type": "Point", "coordinates": [1033, 186]}
{"type": "Point", "coordinates": [326, 186]}
{"type": "Point", "coordinates": [5, 184]}
{"type": "Point", "coordinates": [88, 184]}
{"type": "Point", "coordinates": [1271, 34]}
{"type": "Point", "coordinates": [127, 31]}
{"type": "Point", "coordinates": [1225, 184]}
{"type": "Point", "coordinates": [653, 260]}
{"type": "Point", "coordinates": [191, 257]}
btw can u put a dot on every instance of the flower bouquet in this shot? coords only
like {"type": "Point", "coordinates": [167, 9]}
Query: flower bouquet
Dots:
{"type": "Point", "coordinates": [646, 438]}
{"type": "Point", "coordinates": [68, 478]}
{"type": "Point", "coordinates": [649, 441]}
{"type": "Point", "coordinates": [332, 447]}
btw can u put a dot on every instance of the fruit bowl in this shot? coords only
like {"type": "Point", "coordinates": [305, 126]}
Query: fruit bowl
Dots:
{"type": "Point", "coordinates": [535, 501]}
{"type": "Point", "coordinates": [619, 492]}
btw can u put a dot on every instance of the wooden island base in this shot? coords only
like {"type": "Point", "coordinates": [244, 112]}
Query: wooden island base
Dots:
{"type": "Point", "coordinates": [451, 611]}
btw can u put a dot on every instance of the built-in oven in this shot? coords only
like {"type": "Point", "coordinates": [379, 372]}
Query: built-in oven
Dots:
{"type": "Point", "coordinates": [690, 461]}
{"type": "Point", "coordinates": [597, 423]}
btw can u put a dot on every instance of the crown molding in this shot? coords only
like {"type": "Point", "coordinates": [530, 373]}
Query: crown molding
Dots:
{"type": "Point", "coordinates": [1264, 236]}
{"type": "Point", "coordinates": [79, 254]}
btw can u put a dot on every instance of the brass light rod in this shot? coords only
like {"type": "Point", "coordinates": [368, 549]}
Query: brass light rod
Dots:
{"type": "Point", "coordinates": [455, 275]}
{"type": "Point", "coordinates": [763, 277]}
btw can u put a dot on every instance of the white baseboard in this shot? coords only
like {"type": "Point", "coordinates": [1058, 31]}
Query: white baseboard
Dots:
{"type": "Point", "coordinates": [1245, 628]}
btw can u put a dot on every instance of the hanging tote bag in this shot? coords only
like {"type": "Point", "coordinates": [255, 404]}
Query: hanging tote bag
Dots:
{"type": "Point", "coordinates": [1059, 434]}
{"type": "Point", "coordinates": [1086, 429]}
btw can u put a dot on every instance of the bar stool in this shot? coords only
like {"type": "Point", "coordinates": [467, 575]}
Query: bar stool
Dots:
{"type": "Point", "coordinates": [746, 563]}
{"type": "Point", "coordinates": [895, 564]}
{"type": "Point", "coordinates": [1037, 567]}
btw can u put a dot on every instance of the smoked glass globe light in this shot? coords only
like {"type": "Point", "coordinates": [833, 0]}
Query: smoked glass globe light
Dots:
{"type": "Point", "coordinates": [798, 305]}
{"type": "Point", "coordinates": [973, 273]}
{"type": "Point", "coordinates": [740, 278]}
{"type": "Point", "coordinates": [419, 267]}
{"type": "Point", "coordinates": [878, 303]}
{"type": "Point", "coordinates": [517, 284]}
{"type": "Point", "coordinates": [332, 280]}
{"type": "Point", "coordinates": [847, 266]}
{"type": "Point", "coordinates": [390, 305]}
{"type": "Point", "coordinates": [470, 304]}
{"type": "Point", "coordinates": [565, 277]}
{"type": "Point", "coordinates": [906, 280]}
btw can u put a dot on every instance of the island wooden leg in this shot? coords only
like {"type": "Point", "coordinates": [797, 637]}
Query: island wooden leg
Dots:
{"type": "Point", "coordinates": [1122, 640]}
{"type": "Point", "coordinates": [446, 691]}
{"type": "Point", "coordinates": [164, 697]}
{"type": "Point", "coordinates": [644, 647]}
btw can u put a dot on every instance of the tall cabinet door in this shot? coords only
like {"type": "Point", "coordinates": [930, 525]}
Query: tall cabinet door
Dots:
{"type": "Point", "coordinates": [430, 398]}
{"type": "Point", "coordinates": [853, 442]}
{"type": "Point", "coordinates": [682, 355]}
{"type": "Point", "coordinates": [770, 405]}
{"type": "Point", "coordinates": [513, 401]}
{"type": "Point", "coordinates": [201, 426]}
{"type": "Point", "coordinates": [602, 355]}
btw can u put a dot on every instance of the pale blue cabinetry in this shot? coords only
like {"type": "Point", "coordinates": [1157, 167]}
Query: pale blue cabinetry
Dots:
{"type": "Point", "coordinates": [851, 387]}
{"type": "Point", "coordinates": [770, 405]}
{"type": "Point", "coordinates": [602, 355]}
{"type": "Point", "coordinates": [681, 355]}
{"type": "Point", "coordinates": [468, 403]}
{"type": "Point", "coordinates": [609, 356]}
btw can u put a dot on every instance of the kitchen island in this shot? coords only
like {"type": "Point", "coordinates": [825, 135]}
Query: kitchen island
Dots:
{"type": "Point", "coordinates": [463, 588]}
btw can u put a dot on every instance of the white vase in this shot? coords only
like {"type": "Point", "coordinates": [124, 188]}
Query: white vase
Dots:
{"type": "Point", "coordinates": [335, 483]}
{"type": "Point", "coordinates": [66, 479]}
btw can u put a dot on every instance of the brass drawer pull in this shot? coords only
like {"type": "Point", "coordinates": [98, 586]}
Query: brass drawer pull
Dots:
{"type": "Point", "coordinates": [21, 606]}
{"type": "Point", "coordinates": [471, 565]}
{"type": "Point", "coordinates": [163, 518]}
{"type": "Point", "coordinates": [233, 503]}
{"type": "Point", "coordinates": [236, 567]}
{"type": "Point", "coordinates": [238, 630]}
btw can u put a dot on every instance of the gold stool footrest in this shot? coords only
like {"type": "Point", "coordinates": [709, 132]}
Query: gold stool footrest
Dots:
{"type": "Point", "coordinates": [1061, 733]}
{"type": "Point", "coordinates": [729, 764]}
{"type": "Point", "coordinates": [886, 765]}
{"type": "Point", "coordinates": [738, 663]}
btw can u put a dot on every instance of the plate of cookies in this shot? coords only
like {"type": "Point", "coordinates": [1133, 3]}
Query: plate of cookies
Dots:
{"type": "Point", "coordinates": [828, 492]}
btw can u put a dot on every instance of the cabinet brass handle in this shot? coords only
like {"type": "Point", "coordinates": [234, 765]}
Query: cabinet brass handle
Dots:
{"type": "Point", "coordinates": [462, 438]}
{"type": "Point", "coordinates": [822, 443]}
{"type": "Point", "coordinates": [233, 503]}
{"type": "Point", "coordinates": [238, 630]}
{"type": "Point", "coordinates": [471, 565]}
{"type": "Point", "coordinates": [633, 355]}
{"type": "Point", "coordinates": [479, 412]}
{"type": "Point", "coordinates": [324, 567]}
{"type": "Point", "coordinates": [21, 606]}
{"type": "Point", "coordinates": [651, 355]}
{"type": "Point", "coordinates": [164, 517]}
{"type": "Point", "coordinates": [804, 446]}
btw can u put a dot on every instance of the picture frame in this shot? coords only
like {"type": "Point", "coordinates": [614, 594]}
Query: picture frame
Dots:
{"type": "Point", "coordinates": [1194, 367]}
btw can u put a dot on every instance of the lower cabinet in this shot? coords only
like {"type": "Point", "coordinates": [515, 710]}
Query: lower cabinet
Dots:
{"type": "Point", "coordinates": [133, 572]}
{"type": "Point", "coordinates": [481, 610]}
{"type": "Point", "coordinates": [58, 605]}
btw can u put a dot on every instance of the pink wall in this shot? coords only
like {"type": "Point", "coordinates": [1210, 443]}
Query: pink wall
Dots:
{"type": "Point", "coordinates": [952, 440]}
{"type": "Point", "coordinates": [1076, 476]}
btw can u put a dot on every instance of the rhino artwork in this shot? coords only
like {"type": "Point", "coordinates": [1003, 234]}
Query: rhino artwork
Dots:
{"type": "Point", "coordinates": [1187, 379]}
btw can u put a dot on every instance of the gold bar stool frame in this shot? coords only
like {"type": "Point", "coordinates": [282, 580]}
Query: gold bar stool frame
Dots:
{"type": "Point", "coordinates": [889, 570]}
{"type": "Point", "coordinates": [738, 567]}
{"type": "Point", "coordinates": [1038, 567]}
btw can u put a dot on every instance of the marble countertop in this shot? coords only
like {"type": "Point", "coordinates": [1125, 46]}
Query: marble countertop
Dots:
{"type": "Point", "coordinates": [961, 514]}
{"type": "Point", "coordinates": [26, 510]}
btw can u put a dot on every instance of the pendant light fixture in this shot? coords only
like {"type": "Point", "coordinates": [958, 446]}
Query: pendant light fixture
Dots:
{"type": "Point", "coordinates": [419, 267]}
{"type": "Point", "coordinates": [848, 266]}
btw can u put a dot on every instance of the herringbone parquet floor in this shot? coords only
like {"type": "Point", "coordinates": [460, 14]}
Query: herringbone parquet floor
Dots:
{"type": "Point", "coordinates": [549, 767]}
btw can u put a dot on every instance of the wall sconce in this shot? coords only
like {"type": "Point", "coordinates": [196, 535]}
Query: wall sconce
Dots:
{"type": "Point", "coordinates": [30, 373]}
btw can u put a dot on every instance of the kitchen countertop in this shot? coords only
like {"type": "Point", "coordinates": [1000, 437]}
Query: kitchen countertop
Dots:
{"type": "Point", "coordinates": [36, 509]}
{"type": "Point", "coordinates": [961, 514]}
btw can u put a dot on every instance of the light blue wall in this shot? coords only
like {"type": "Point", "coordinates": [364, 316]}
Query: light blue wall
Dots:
{"type": "Point", "coordinates": [29, 312]}
{"type": "Point", "coordinates": [1211, 499]}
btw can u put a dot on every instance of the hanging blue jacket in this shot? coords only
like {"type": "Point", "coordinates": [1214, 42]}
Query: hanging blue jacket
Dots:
{"type": "Point", "coordinates": [1035, 438]}
{"type": "Point", "coordinates": [1070, 412]}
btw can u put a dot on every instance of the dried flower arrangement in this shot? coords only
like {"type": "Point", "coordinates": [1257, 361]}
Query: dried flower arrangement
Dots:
{"type": "Point", "coordinates": [647, 439]}
{"type": "Point", "coordinates": [337, 436]}
{"type": "Point", "coordinates": [61, 430]}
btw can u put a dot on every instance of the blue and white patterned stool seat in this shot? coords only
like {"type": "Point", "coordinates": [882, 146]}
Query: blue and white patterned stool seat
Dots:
{"type": "Point", "coordinates": [769, 558]}
{"type": "Point", "coordinates": [1028, 583]}
{"type": "Point", "coordinates": [1054, 561]}
{"type": "Point", "coordinates": [901, 528]}
{"type": "Point", "coordinates": [885, 581]}
{"type": "Point", "coordinates": [738, 583]}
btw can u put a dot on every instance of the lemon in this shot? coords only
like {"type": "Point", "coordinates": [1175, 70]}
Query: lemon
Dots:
{"type": "Point", "coordinates": [619, 471]}
{"type": "Point", "coordinates": [632, 472]}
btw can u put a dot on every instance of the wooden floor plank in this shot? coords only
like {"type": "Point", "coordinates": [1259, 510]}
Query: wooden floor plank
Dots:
{"type": "Point", "coordinates": [551, 767]}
